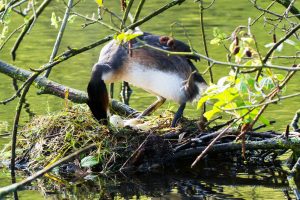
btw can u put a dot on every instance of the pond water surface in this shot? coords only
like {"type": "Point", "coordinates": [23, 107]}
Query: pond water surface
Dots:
{"type": "Point", "coordinates": [203, 184]}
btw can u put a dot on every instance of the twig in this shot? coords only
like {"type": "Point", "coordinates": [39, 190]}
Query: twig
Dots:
{"type": "Point", "coordinates": [8, 189]}
{"type": "Point", "coordinates": [263, 13]}
{"type": "Point", "coordinates": [249, 126]}
{"type": "Point", "coordinates": [7, 7]}
{"type": "Point", "coordinates": [293, 9]}
{"type": "Point", "coordinates": [60, 35]}
{"type": "Point", "coordinates": [204, 40]}
{"type": "Point", "coordinates": [26, 104]}
{"type": "Point", "coordinates": [291, 178]}
{"type": "Point", "coordinates": [263, 126]}
{"type": "Point", "coordinates": [138, 11]}
{"type": "Point", "coordinates": [264, 10]}
{"type": "Point", "coordinates": [286, 12]}
{"type": "Point", "coordinates": [34, 16]}
{"type": "Point", "coordinates": [112, 13]}
{"type": "Point", "coordinates": [15, 128]}
{"type": "Point", "coordinates": [295, 121]}
{"type": "Point", "coordinates": [8, 69]}
{"type": "Point", "coordinates": [270, 97]}
{"type": "Point", "coordinates": [92, 21]}
{"type": "Point", "coordinates": [264, 103]}
{"type": "Point", "coordinates": [212, 143]}
{"type": "Point", "coordinates": [125, 15]}
{"type": "Point", "coordinates": [27, 26]}
{"type": "Point", "coordinates": [134, 153]}
{"type": "Point", "coordinates": [285, 57]}
{"type": "Point", "coordinates": [155, 13]}
{"type": "Point", "coordinates": [217, 127]}
{"type": "Point", "coordinates": [216, 62]}
{"type": "Point", "coordinates": [10, 35]}
{"type": "Point", "coordinates": [289, 34]}
{"type": "Point", "coordinates": [5, 134]}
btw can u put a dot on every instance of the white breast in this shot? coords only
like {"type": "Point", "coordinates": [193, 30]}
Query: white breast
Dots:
{"type": "Point", "coordinates": [166, 84]}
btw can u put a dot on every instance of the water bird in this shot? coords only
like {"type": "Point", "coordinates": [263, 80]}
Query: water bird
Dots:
{"type": "Point", "coordinates": [172, 77]}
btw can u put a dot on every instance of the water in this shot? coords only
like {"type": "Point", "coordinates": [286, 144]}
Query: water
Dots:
{"type": "Point", "coordinates": [226, 15]}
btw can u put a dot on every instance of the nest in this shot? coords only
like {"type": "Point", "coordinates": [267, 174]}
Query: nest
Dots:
{"type": "Point", "coordinates": [46, 139]}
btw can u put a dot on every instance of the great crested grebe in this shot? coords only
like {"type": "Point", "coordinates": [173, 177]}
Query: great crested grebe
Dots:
{"type": "Point", "coordinates": [171, 77]}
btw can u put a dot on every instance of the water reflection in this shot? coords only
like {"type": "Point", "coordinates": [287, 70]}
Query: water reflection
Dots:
{"type": "Point", "coordinates": [210, 181]}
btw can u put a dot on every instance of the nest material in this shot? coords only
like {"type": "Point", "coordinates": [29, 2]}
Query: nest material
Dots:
{"type": "Point", "coordinates": [46, 139]}
{"type": "Point", "coordinates": [49, 138]}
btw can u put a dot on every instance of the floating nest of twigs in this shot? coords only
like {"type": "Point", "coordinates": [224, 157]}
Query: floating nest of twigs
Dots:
{"type": "Point", "coordinates": [149, 147]}
{"type": "Point", "coordinates": [48, 138]}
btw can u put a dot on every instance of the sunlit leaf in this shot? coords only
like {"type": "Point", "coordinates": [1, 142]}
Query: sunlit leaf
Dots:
{"type": "Point", "coordinates": [4, 32]}
{"type": "Point", "coordinates": [248, 63]}
{"type": "Point", "coordinates": [2, 5]}
{"type": "Point", "coordinates": [72, 18]}
{"type": "Point", "coordinates": [280, 47]}
{"type": "Point", "coordinates": [54, 21]}
{"type": "Point", "coordinates": [209, 114]}
{"type": "Point", "coordinates": [202, 101]}
{"type": "Point", "coordinates": [243, 86]}
{"type": "Point", "coordinates": [269, 45]}
{"type": "Point", "coordinates": [290, 42]}
{"type": "Point", "coordinates": [7, 17]}
{"type": "Point", "coordinates": [221, 81]}
{"type": "Point", "coordinates": [267, 83]}
{"type": "Point", "coordinates": [247, 40]}
{"type": "Point", "coordinates": [215, 41]}
{"type": "Point", "coordinates": [89, 161]}
{"type": "Point", "coordinates": [279, 77]}
{"type": "Point", "coordinates": [127, 36]}
{"type": "Point", "coordinates": [268, 72]}
{"type": "Point", "coordinates": [99, 2]}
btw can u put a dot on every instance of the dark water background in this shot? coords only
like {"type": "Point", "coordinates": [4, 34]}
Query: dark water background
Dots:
{"type": "Point", "coordinates": [226, 15]}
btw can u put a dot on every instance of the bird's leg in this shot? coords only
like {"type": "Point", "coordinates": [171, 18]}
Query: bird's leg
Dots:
{"type": "Point", "coordinates": [178, 114]}
{"type": "Point", "coordinates": [152, 107]}
{"type": "Point", "coordinates": [111, 90]}
{"type": "Point", "coordinates": [126, 92]}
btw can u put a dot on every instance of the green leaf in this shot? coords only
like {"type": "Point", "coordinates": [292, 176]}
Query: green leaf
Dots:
{"type": "Point", "coordinates": [3, 33]}
{"type": "Point", "coordinates": [247, 40]}
{"type": "Point", "coordinates": [248, 63]}
{"type": "Point", "coordinates": [72, 19]}
{"type": "Point", "coordinates": [215, 41]}
{"type": "Point", "coordinates": [264, 120]}
{"type": "Point", "coordinates": [267, 83]}
{"type": "Point", "coordinates": [89, 161]}
{"type": "Point", "coordinates": [216, 31]}
{"type": "Point", "coordinates": [209, 114]}
{"type": "Point", "coordinates": [202, 101]}
{"type": "Point", "coordinates": [279, 77]}
{"type": "Point", "coordinates": [54, 21]}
